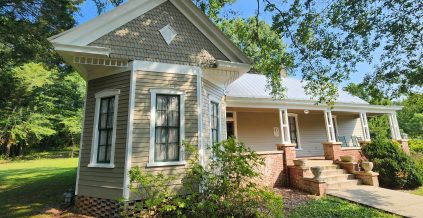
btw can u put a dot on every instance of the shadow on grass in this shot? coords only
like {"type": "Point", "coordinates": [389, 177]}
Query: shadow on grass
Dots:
{"type": "Point", "coordinates": [43, 191]}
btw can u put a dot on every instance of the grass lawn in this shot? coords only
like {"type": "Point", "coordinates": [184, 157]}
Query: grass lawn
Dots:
{"type": "Point", "coordinates": [335, 207]}
{"type": "Point", "coordinates": [31, 187]}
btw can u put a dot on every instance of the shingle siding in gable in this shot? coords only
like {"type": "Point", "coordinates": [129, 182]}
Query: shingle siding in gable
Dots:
{"type": "Point", "coordinates": [140, 39]}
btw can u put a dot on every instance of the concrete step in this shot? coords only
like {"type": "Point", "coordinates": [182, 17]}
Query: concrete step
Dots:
{"type": "Point", "coordinates": [312, 163]}
{"type": "Point", "coordinates": [338, 178]}
{"type": "Point", "coordinates": [331, 172]}
{"type": "Point", "coordinates": [340, 185]}
{"type": "Point", "coordinates": [327, 167]}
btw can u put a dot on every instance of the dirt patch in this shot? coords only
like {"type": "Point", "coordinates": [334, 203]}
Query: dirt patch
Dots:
{"type": "Point", "coordinates": [293, 198]}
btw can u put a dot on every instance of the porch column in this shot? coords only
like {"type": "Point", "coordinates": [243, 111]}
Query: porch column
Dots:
{"type": "Point", "coordinates": [284, 125]}
{"type": "Point", "coordinates": [365, 126]}
{"type": "Point", "coordinates": [393, 124]}
{"type": "Point", "coordinates": [329, 126]}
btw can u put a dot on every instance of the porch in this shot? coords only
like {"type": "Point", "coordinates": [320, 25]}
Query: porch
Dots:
{"type": "Point", "coordinates": [310, 130]}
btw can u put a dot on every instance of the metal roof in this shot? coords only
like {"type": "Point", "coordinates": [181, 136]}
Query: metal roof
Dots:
{"type": "Point", "coordinates": [255, 86]}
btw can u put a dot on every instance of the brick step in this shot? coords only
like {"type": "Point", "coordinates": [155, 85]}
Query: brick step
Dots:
{"type": "Point", "coordinates": [339, 185]}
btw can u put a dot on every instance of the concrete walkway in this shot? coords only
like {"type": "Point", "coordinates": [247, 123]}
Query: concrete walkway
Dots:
{"type": "Point", "coordinates": [396, 202]}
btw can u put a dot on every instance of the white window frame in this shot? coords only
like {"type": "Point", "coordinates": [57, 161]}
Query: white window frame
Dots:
{"type": "Point", "coordinates": [162, 91]}
{"type": "Point", "coordinates": [299, 147]}
{"type": "Point", "coordinates": [94, 145]}
{"type": "Point", "coordinates": [213, 99]}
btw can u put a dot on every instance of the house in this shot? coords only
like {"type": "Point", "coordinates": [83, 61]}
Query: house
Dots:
{"type": "Point", "coordinates": [158, 72]}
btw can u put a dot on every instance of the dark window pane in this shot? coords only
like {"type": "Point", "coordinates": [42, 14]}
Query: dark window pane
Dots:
{"type": "Point", "coordinates": [105, 129]}
{"type": "Point", "coordinates": [293, 130]}
{"type": "Point", "coordinates": [167, 128]}
{"type": "Point", "coordinates": [214, 122]}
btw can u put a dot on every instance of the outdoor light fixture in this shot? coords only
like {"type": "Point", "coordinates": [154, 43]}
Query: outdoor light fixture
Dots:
{"type": "Point", "coordinates": [306, 111]}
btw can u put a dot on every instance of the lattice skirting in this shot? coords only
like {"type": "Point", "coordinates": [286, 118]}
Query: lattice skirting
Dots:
{"type": "Point", "coordinates": [97, 207]}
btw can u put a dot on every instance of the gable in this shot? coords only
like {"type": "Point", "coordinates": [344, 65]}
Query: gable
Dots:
{"type": "Point", "coordinates": [200, 42]}
{"type": "Point", "coordinates": [140, 39]}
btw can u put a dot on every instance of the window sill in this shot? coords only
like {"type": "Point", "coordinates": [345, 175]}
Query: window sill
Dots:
{"type": "Point", "coordinates": [97, 165]}
{"type": "Point", "coordinates": [164, 164]}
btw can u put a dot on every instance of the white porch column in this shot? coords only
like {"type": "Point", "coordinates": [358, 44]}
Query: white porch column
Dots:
{"type": "Point", "coordinates": [330, 130]}
{"type": "Point", "coordinates": [393, 124]}
{"type": "Point", "coordinates": [284, 125]}
{"type": "Point", "coordinates": [365, 126]}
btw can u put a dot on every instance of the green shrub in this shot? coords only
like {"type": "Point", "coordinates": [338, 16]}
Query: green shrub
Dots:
{"type": "Point", "coordinates": [416, 145]}
{"type": "Point", "coordinates": [396, 169]}
{"type": "Point", "coordinates": [223, 188]}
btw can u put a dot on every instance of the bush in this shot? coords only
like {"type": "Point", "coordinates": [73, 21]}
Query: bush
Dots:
{"type": "Point", "coordinates": [224, 188]}
{"type": "Point", "coordinates": [416, 145]}
{"type": "Point", "coordinates": [396, 169]}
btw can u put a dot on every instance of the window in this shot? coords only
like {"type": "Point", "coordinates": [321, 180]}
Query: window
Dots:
{"type": "Point", "coordinates": [105, 129]}
{"type": "Point", "coordinates": [335, 126]}
{"type": "Point", "coordinates": [214, 122]}
{"type": "Point", "coordinates": [104, 132]}
{"type": "Point", "coordinates": [166, 128]}
{"type": "Point", "coordinates": [293, 130]}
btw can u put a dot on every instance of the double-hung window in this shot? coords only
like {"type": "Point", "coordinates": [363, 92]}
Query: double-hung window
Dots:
{"type": "Point", "coordinates": [214, 122]}
{"type": "Point", "coordinates": [166, 127]}
{"type": "Point", "coordinates": [104, 132]}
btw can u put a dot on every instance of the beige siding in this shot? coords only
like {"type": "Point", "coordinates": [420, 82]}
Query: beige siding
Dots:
{"type": "Point", "coordinates": [140, 39]}
{"type": "Point", "coordinates": [255, 129]}
{"type": "Point", "coordinates": [312, 134]}
{"type": "Point", "coordinates": [101, 182]}
{"type": "Point", "coordinates": [141, 129]}
{"type": "Point", "coordinates": [215, 92]}
{"type": "Point", "coordinates": [349, 125]}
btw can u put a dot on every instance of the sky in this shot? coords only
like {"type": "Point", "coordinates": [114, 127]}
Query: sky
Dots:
{"type": "Point", "coordinates": [243, 8]}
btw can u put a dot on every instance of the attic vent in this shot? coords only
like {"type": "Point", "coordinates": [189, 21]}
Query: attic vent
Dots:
{"type": "Point", "coordinates": [168, 33]}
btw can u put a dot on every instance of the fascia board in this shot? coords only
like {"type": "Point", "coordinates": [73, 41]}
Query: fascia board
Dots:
{"type": "Point", "coordinates": [92, 30]}
{"type": "Point", "coordinates": [217, 37]}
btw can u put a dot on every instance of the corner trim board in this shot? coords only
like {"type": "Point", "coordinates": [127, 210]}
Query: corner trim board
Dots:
{"type": "Point", "coordinates": [128, 156]}
{"type": "Point", "coordinates": [81, 141]}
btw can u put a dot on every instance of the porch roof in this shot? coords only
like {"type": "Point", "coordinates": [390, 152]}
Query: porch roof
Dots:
{"type": "Point", "coordinates": [254, 86]}
{"type": "Point", "coordinates": [249, 91]}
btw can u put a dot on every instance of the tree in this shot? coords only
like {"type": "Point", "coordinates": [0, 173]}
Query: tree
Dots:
{"type": "Point", "coordinates": [329, 39]}
{"type": "Point", "coordinates": [410, 118]}
{"type": "Point", "coordinates": [264, 47]}
{"type": "Point", "coordinates": [25, 116]}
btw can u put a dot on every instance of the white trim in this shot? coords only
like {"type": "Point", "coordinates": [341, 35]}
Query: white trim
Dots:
{"type": "Point", "coordinates": [90, 31]}
{"type": "Point", "coordinates": [233, 66]}
{"type": "Point", "coordinates": [81, 139]}
{"type": "Point", "coordinates": [129, 137]}
{"type": "Point", "coordinates": [95, 50]}
{"type": "Point", "coordinates": [284, 126]}
{"type": "Point", "coordinates": [393, 124]}
{"type": "Point", "coordinates": [201, 151]}
{"type": "Point", "coordinates": [153, 96]}
{"type": "Point", "coordinates": [335, 126]}
{"type": "Point", "coordinates": [330, 131]}
{"type": "Point", "coordinates": [365, 126]}
{"type": "Point", "coordinates": [159, 67]}
{"type": "Point", "coordinates": [99, 165]}
{"type": "Point", "coordinates": [214, 99]}
{"type": "Point", "coordinates": [94, 146]}
{"type": "Point", "coordinates": [299, 147]}
{"type": "Point", "coordinates": [107, 93]}
{"type": "Point", "coordinates": [307, 104]}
